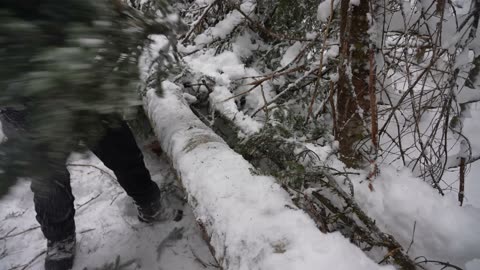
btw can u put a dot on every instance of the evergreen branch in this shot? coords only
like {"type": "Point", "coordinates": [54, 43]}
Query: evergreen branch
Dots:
{"type": "Point", "coordinates": [268, 32]}
{"type": "Point", "coordinates": [196, 23]}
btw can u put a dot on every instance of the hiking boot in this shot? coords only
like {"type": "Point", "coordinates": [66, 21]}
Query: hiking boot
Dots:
{"type": "Point", "coordinates": [60, 254]}
{"type": "Point", "coordinates": [157, 211]}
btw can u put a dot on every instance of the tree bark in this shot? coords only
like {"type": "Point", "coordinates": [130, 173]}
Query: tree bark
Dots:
{"type": "Point", "coordinates": [352, 106]}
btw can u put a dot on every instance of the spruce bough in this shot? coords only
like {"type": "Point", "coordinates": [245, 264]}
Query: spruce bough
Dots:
{"type": "Point", "coordinates": [68, 67]}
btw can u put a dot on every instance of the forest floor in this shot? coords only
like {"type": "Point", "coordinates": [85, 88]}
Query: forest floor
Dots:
{"type": "Point", "coordinates": [109, 236]}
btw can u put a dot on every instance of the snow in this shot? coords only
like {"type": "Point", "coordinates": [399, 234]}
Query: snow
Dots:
{"type": "Point", "coordinates": [225, 26]}
{"type": "Point", "coordinates": [189, 98]}
{"type": "Point", "coordinates": [204, 2]}
{"type": "Point", "coordinates": [471, 129]}
{"type": "Point", "coordinates": [332, 52]}
{"type": "Point", "coordinates": [291, 53]}
{"type": "Point", "coordinates": [250, 219]}
{"type": "Point", "coordinates": [230, 111]}
{"type": "Point", "coordinates": [462, 6]}
{"type": "Point", "coordinates": [107, 226]}
{"type": "Point", "coordinates": [324, 10]}
{"type": "Point", "coordinates": [158, 44]}
{"type": "Point", "coordinates": [471, 126]}
{"type": "Point", "coordinates": [243, 46]}
{"type": "Point", "coordinates": [355, 2]}
{"type": "Point", "coordinates": [232, 77]}
{"type": "Point", "coordinates": [252, 222]}
{"type": "Point", "coordinates": [225, 68]}
{"type": "Point", "coordinates": [472, 185]}
{"type": "Point", "coordinates": [443, 230]}
{"type": "Point", "coordinates": [473, 265]}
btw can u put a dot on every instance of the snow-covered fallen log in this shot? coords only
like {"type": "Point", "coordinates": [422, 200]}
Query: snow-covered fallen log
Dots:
{"type": "Point", "coordinates": [250, 219]}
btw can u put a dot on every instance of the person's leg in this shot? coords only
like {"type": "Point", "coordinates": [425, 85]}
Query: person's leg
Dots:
{"type": "Point", "coordinates": [53, 199]}
{"type": "Point", "coordinates": [118, 150]}
{"type": "Point", "coordinates": [52, 193]}
{"type": "Point", "coordinates": [54, 205]}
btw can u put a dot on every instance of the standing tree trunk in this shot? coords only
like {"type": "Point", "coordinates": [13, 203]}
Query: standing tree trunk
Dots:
{"type": "Point", "coordinates": [352, 87]}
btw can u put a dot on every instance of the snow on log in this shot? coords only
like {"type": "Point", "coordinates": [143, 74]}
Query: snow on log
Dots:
{"type": "Point", "coordinates": [250, 220]}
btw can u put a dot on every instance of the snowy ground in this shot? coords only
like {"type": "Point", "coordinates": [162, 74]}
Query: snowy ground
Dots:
{"type": "Point", "coordinates": [107, 227]}
{"type": "Point", "coordinates": [428, 225]}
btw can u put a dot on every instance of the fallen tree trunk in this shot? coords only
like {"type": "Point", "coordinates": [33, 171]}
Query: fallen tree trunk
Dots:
{"type": "Point", "coordinates": [323, 199]}
{"type": "Point", "coordinates": [250, 220]}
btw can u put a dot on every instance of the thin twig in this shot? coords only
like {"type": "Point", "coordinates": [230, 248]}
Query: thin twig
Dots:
{"type": "Point", "coordinates": [413, 236]}
{"type": "Point", "coordinates": [93, 166]}
{"type": "Point", "coordinates": [85, 231]}
{"type": "Point", "coordinates": [265, 102]}
{"type": "Point", "coordinates": [115, 197]}
{"type": "Point", "coordinates": [445, 264]}
{"type": "Point", "coordinates": [269, 32]}
{"type": "Point", "coordinates": [87, 202]}
{"type": "Point", "coordinates": [19, 233]}
{"type": "Point", "coordinates": [461, 190]}
{"type": "Point", "coordinates": [8, 233]}
{"type": "Point", "coordinates": [33, 260]}
{"type": "Point", "coordinates": [266, 78]}
{"type": "Point", "coordinates": [289, 87]}
{"type": "Point", "coordinates": [204, 264]}
{"type": "Point", "coordinates": [469, 161]}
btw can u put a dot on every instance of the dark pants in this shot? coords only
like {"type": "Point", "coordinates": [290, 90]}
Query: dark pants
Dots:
{"type": "Point", "coordinates": [118, 150]}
